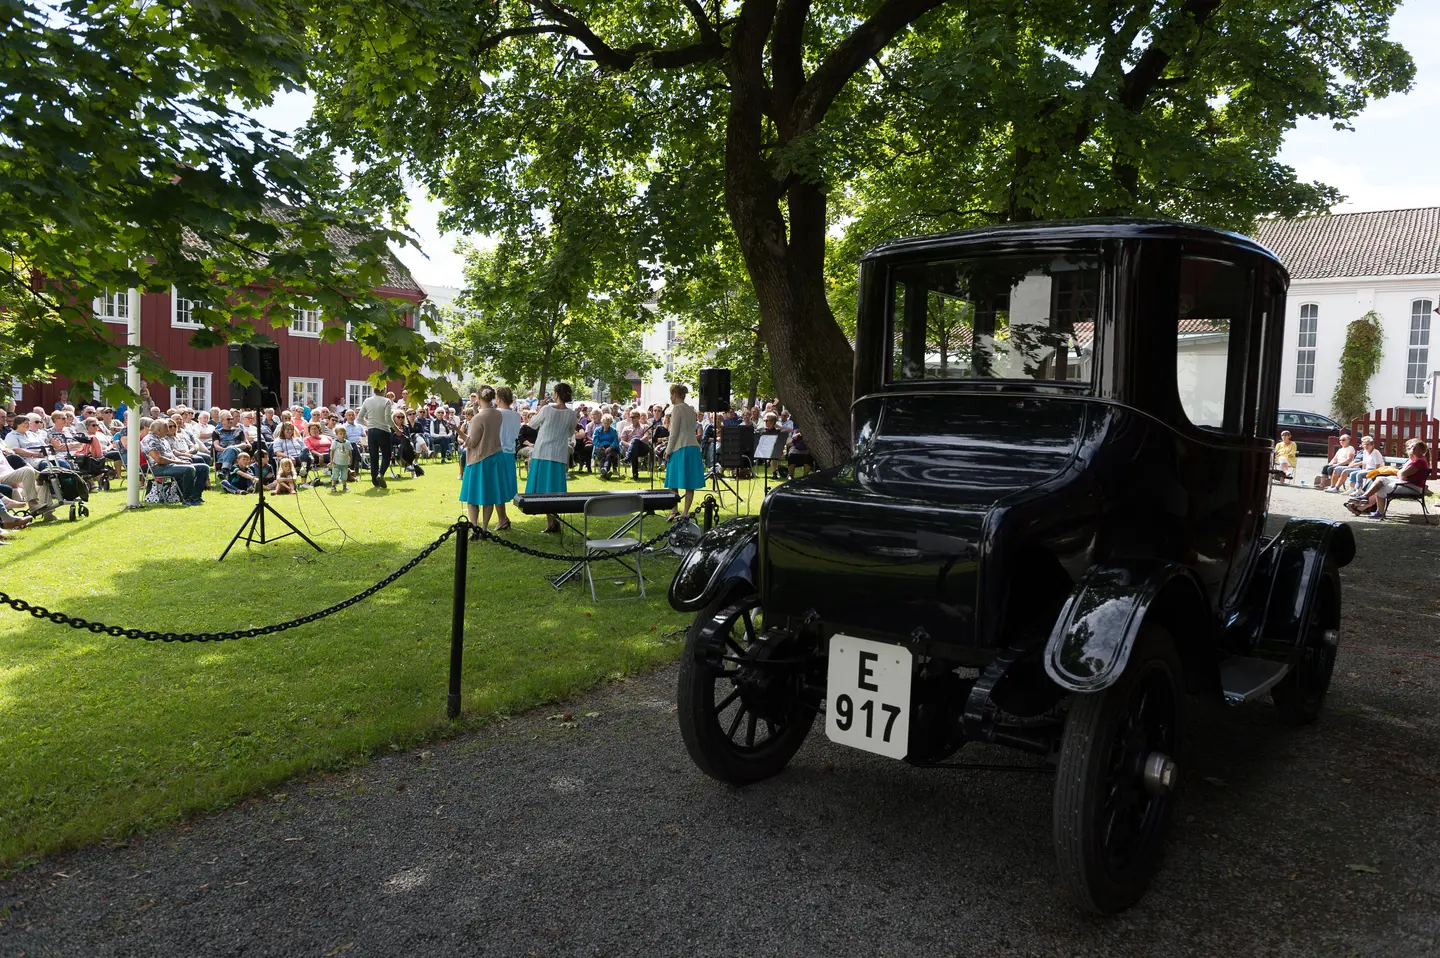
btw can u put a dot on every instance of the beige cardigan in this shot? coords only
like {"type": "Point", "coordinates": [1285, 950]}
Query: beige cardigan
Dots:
{"type": "Point", "coordinates": [482, 435]}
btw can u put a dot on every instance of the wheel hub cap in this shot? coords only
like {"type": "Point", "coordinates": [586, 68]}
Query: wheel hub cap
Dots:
{"type": "Point", "coordinates": [1160, 773]}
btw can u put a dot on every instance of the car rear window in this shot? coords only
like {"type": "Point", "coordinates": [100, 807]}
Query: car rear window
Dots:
{"type": "Point", "coordinates": [1028, 317]}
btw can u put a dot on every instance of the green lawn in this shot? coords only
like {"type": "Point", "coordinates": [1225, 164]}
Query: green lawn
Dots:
{"type": "Point", "coordinates": [100, 737]}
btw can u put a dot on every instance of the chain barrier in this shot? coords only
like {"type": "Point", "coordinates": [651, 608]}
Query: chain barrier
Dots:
{"type": "Point", "coordinates": [60, 618]}
{"type": "Point", "coordinates": [462, 526]}
{"type": "Point", "coordinates": [566, 557]}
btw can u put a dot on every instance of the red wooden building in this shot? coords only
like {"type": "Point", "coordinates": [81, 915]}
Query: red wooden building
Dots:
{"type": "Point", "coordinates": [323, 372]}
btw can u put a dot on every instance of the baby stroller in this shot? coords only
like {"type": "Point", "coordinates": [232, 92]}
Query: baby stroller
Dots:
{"type": "Point", "coordinates": [67, 488]}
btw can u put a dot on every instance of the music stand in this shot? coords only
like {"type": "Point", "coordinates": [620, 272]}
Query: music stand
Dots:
{"type": "Point", "coordinates": [770, 448]}
{"type": "Point", "coordinates": [256, 519]}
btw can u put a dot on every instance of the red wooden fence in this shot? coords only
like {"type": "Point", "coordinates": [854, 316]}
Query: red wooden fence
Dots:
{"type": "Point", "coordinates": [1392, 427]}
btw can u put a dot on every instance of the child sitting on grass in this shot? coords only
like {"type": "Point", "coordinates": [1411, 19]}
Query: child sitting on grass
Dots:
{"type": "Point", "coordinates": [242, 480]}
{"type": "Point", "coordinates": [284, 484]}
{"type": "Point", "coordinates": [341, 451]}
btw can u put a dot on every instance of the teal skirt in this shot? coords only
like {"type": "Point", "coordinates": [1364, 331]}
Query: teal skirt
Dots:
{"type": "Point", "coordinates": [684, 470]}
{"type": "Point", "coordinates": [546, 476]}
{"type": "Point", "coordinates": [484, 482]}
{"type": "Point", "coordinates": [509, 487]}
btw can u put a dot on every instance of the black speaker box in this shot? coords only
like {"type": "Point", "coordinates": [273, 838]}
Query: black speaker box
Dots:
{"type": "Point", "coordinates": [737, 445]}
{"type": "Point", "coordinates": [261, 360]}
{"type": "Point", "coordinates": [714, 389]}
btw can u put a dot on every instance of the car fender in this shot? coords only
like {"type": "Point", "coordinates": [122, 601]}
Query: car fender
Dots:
{"type": "Point", "coordinates": [1282, 595]}
{"type": "Point", "coordinates": [1097, 628]}
{"type": "Point", "coordinates": [726, 553]}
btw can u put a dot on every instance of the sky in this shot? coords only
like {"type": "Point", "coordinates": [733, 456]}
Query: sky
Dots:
{"type": "Point", "coordinates": [1390, 160]}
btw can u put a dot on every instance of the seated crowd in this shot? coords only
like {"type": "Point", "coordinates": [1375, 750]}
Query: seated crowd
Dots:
{"type": "Point", "coordinates": [233, 451]}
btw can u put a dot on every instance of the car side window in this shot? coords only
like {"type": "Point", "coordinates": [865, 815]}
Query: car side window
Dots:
{"type": "Point", "coordinates": [1318, 422]}
{"type": "Point", "coordinates": [1214, 317]}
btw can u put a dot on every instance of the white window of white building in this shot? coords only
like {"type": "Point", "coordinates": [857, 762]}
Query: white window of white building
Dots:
{"type": "Point", "coordinates": [15, 387]}
{"type": "Point", "coordinates": [1417, 361]}
{"type": "Point", "coordinates": [303, 389]}
{"type": "Point", "coordinates": [193, 390]}
{"type": "Point", "coordinates": [182, 310]}
{"type": "Point", "coordinates": [356, 392]}
{"type": "Point", "coordinates": [1305, 358]}
{"type": "Point", "coordinates": [113, 306]}
{"type": "Point", "coordinates": [306, 322]}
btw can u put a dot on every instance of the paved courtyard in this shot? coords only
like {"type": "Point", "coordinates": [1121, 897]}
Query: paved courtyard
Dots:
{"type": "Point", "coordinates": [534, 838]}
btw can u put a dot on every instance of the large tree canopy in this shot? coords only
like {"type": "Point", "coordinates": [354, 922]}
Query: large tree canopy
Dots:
{"type": "Point", "coordinates": [126, 160]}
{"type": "Point", "coordinates": [551, 301]}
{"type": "Point", "coordinates": [772, 122]}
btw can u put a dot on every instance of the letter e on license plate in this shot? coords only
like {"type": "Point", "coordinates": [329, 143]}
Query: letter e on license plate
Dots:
{"type": "Point", "coordinates": [868, 696]}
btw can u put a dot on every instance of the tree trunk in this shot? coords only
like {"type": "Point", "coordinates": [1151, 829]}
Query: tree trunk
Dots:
{"type": "Point", "coordinates": [810, 358]}
{"type": "Point", "coordinates": [757, 357]}
{"type": "Point", "coordinates": [544, 373]}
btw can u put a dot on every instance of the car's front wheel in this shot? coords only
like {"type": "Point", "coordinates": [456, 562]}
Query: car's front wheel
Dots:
{"type": "Point", "coordinates": [742, 708]}
{"type": "Point", "coordinates": [1114, 789]}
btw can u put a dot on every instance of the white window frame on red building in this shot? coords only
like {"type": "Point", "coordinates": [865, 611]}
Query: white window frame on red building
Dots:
{"type": "Point", "coordinates": [351, 402]}
{"type": "Point", "coordinates": [319, 385]}
{"type": "Point", "coordinates": [188, 312]}
{"type": "Point", "coordinates": [307, 322]}
{"type": "Point", "coordinates": [112, 307]}
{"type": "Point", "coordinates": [190, 376]}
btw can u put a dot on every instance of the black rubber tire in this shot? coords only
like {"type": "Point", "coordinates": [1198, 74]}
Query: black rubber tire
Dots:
{"type": "Point", "coordinates": [1300, 695]}
{"type": "Point", "coordinates": [1085, 779]}
{"type": "Point", "coordinates": [711, 748]}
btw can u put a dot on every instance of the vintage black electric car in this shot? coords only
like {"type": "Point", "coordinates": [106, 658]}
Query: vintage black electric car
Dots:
{"type": "Point", "coordinates": [1050, 535]}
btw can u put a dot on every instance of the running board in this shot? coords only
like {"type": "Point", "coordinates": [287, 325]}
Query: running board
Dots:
{"type": "Point", "coordinates": [1245, 679]}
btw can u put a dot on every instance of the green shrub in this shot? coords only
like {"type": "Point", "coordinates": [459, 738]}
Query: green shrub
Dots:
{"type": "Point", "coordinates": [1364, 341]}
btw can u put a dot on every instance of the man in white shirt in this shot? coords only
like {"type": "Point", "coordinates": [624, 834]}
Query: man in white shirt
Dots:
{"type": "Point", "coordinates": [376, 414]}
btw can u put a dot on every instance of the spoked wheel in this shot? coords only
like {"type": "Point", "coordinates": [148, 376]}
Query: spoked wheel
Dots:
{"type": "Point", "coordinates": [1114, 789]}
{"type": "Point", "coordinates": [742, 707]}
{"type": "Point", "coordinates": [1299, 696]}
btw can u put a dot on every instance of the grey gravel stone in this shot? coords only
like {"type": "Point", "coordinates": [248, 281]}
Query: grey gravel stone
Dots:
{"type": "Point", "coordinates": [602, 839]}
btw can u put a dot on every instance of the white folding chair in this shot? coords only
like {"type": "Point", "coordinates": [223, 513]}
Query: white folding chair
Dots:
{"type": "Point", "coordinates": [611, 505]}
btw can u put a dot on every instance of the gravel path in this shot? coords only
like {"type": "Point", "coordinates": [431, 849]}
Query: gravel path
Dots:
{"type": "Point", "coordinates": [533, 838]}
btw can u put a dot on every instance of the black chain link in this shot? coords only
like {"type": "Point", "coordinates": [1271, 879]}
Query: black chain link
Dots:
{"type": "Point", "coordinates": [60, 618]}
{"type": "Point", "coordinates": [463, 526]}
{"type": "Point", "coordinates": [566, 557]}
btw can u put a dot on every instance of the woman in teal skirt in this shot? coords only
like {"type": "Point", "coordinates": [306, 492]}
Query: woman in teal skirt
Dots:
{"type": "Point", "coordinates": [684, 468]}
{"type": "Point", "coordinates": [509, 438]}
{"type": "Point", "coordinates": [549, 457]}
{"type": "Point", "coordinates": [483, 483]}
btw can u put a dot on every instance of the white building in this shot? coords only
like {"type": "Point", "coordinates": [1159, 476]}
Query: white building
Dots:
{"type": "Point", "coordinates": [663, 342]}
{"type": "Point", "coordinates": [1342, 267]}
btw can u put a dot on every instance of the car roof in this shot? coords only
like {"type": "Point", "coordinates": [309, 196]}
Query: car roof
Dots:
{"type": "Point", "coordinates": [1067, 230]}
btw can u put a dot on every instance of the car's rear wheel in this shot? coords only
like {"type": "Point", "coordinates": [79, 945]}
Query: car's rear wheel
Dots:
{"type": "Point", "coordinates": [1114, 789]}
{"type": "Point", "coordinates": [742, 709]}
{"type": "Point", "coordinates": [1300, 695]}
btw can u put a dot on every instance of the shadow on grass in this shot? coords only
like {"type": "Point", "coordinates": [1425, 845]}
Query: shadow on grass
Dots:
{"type": "Point", "coordinates": [105, 736]}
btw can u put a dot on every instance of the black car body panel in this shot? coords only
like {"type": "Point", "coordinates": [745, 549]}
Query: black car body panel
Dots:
{"type": "Point", "coordinates": [724, 558]}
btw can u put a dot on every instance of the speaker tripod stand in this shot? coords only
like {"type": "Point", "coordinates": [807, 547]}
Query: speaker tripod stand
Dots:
{"type": "Point", "coordinates": [252, 528]}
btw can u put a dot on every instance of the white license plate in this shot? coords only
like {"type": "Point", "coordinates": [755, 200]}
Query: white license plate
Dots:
{"type": "Point", "coordinates": [868, 686]}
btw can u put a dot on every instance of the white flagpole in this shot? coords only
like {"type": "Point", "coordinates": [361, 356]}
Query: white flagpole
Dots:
{"type": "Point", "coordinates": [132, 410]}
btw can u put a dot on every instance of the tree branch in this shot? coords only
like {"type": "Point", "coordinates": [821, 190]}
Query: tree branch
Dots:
{"type": "Point", "coordinates": [610, 58]}
{"type": "Point", "coordinates": [708, 32]}
{"type": "Point", "coordinates": [850, 55]}
{"type": "Point", "coordinates": [1140, 81]}
{"type": "Point", "coordinates": [787, 58]}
